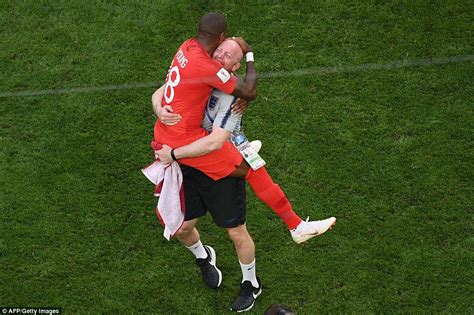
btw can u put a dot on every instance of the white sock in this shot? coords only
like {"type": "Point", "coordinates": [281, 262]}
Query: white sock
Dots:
{"type": "Point", "coordinates": [198, 250]}
{"type": "Point", "coordinates": [248, 273]}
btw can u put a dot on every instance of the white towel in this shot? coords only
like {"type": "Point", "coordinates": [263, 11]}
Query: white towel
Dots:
{"type": "Point", "coordinates": [169, 188]}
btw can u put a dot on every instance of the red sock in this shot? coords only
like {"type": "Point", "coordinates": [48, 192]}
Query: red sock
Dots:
{"type": "Point", "coordinates": [270, 193]}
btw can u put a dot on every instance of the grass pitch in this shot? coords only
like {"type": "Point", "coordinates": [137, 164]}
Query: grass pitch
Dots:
{"type": "Point", "coordinates": [388, 151]}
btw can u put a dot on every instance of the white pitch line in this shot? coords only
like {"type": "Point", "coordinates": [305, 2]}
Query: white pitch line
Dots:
{"type": "Point", "coordinates": [370, 66]}
{"type": "Point", "coordinates": [295, 73]}
{"type": "Point", "coordinates": [85, 89]}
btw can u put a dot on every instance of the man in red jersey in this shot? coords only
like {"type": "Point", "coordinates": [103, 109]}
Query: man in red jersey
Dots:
{"type": "Point", "coordinates": [191, 77]}
{"type": "Point", "coordinates": [220, 121]}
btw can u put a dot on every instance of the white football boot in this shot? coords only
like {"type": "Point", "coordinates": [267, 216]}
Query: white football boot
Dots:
{"type": "Point", "coordinates": [309, 229]}
{"type": "Point", "coordinates": [256, 145]}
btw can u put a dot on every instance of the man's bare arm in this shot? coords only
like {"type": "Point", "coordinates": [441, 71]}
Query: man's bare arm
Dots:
{"type": "Point", "coordinates": [202, 146]}
{"type": "Point", "coordinates": [247, 88]}
{"type": "Point", "coordinates": [164, 113]}
{"type": "Point", "coordinates": [156, 100]}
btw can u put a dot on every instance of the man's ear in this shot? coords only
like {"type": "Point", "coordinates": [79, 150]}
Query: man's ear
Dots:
{"type": "Point", "coordinates": [221, 37]}
{"type": "Point", "coordinates": [235, 67]}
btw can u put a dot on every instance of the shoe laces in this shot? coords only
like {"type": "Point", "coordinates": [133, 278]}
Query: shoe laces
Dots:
{"type": "Point", "coordinates": [204, 263]}
{"type": "Point", "coordinates": [246, 288]}
{"type": "Point", "coordinates": [296, 230]}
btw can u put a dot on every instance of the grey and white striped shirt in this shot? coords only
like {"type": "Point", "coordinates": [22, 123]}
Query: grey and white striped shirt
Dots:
{"type": "Point", "coordinates": [219, 112]}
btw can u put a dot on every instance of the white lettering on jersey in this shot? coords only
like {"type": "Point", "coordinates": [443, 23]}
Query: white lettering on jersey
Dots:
{"type": "Point", "coordinates": [182, 60]}
{"type": "Point", "coordinates": [223, 74]}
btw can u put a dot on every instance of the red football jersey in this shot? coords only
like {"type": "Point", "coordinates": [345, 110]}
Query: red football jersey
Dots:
{"type": "Point", "coordinates": [191, 77]}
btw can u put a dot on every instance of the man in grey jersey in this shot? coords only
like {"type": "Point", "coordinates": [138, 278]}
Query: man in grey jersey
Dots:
{"type": "Point", "coordinates": [224, 199]}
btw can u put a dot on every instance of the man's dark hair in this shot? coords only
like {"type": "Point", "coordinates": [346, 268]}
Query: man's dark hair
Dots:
{"type": "Point", "coordinates": [212, 24]}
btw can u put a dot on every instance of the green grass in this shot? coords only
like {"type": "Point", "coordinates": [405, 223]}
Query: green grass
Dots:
{"type": "Point", "coordinates": [389, 152]}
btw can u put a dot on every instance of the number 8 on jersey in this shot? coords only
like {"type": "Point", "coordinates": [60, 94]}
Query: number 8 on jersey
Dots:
{"type": "Point", "coordinates": [171, 84]}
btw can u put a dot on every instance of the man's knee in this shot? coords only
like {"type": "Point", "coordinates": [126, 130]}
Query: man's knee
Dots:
{"type": "Point", "coordinates": [182, 232]}
{"type": "Point", "coordinates": [239, 234]}
{"type": "Point", "coordinates": [185, 229]}
{"type": "Point", "coordinates": [241, 171]}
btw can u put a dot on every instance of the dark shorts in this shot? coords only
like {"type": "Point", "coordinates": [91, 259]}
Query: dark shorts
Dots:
{"type": "Point", "coordinates": [225, 198]}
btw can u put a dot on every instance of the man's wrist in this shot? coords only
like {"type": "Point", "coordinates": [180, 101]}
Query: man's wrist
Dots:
{"type": "Point", "coordinates": [249, 57]}
{"type": "Point", "coordinates": [173, 156]}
